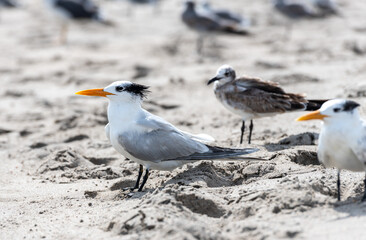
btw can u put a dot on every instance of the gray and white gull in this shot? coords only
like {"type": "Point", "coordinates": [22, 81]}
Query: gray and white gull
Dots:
{"type": "Point", "coordinates": [252, 98]}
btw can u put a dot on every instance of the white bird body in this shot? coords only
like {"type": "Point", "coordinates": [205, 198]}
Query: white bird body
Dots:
{"type": "Point", "coordinates": [150, 140]}
{"type": "Point", "coordinates": [339, 142]}
{"type": "Point", "coordinates": [122, 121]}
{"type": "Point", "coordinates": [342, 139]}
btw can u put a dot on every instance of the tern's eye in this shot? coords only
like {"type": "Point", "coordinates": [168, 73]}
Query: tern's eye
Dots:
{"type": "Point", "coordinates": [336, 109]}
{"type": "Point", "coordinates": [119, 89]}
{"type": "Point", "coordinates": [226, 74]}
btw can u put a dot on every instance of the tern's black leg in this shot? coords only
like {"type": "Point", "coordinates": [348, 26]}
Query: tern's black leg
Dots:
{"type": "Point", "coordinates": [138, 178]}
{"type": "Point", "coordinates": [242, 132]}
{"type": "Point", "coordinates": [339, 184]}
{"type": "Point", "coordinates": [141, 170]}
{"type": "Point", "coordinates": [144, 180]}
{"type": "Point", "coordinates": [250, 131]}
{"type": "Point", "coordinates": [364, 194]}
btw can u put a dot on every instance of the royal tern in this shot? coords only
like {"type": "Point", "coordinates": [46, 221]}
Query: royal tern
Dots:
{"type": "Point", "coordinates": [342, 139]}
{"type": "Point", "coordinates": [67, 10]}
{"type": "Point", "coordinates": [205, 21]}
{"type": "Point", "coordinates": [304, 9]}
{"type": "Point", "coordinates": [227, 15]}
{"type": "Point", "coordinates": [149, 140]}
{"type": "Point", "coordinates": [253, 98]}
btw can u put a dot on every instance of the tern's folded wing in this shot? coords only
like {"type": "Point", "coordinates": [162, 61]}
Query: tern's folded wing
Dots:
{"type": "Point", "coordinates": [358, 145]}
{"type": "Point", "coordinates": [159, 144]}
{"type": "Point", "coordinates": [152, 122]}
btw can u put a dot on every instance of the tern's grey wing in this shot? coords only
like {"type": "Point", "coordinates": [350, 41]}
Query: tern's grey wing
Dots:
{"type": "Point", "coordinates": [259, 101]}
{"type": "Point", "coordinates": [359, 146]}
{"type": "Point", "coordinates": [158, 140]}
{"type": "Point", "coordinates": [150, 122]}
{"type": "Point", "coordinates": [159, 144]}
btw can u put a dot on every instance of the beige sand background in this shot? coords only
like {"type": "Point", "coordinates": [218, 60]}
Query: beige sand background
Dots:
{"type": "Point", "coordinates": [61, 179]}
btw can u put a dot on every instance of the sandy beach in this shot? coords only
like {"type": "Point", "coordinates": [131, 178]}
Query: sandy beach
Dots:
{"type": "Point", "coordinates": [62, 179]}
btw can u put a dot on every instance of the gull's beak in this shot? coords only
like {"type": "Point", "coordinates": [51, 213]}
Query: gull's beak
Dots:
{"type": "Point", "coordinates": [94, 92]}
{"type": "Point", "coordinates": [312, 116]}
{"type": "Point", "coordinates": [213, 80]}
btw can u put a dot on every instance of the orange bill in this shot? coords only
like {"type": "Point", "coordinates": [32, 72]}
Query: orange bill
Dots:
{"type": "Point", "coordinates": [94, 92]}
{"type": "Point", "coordinates": [312, 116]}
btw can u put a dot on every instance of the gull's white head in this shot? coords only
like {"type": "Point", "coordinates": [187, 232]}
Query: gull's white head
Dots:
{"type": "Point", "coordinates": [120, 91]}
{"type": "Point", "coordinates": [332, 111]}
{"type": "Point", "coordinates": [224, 75]}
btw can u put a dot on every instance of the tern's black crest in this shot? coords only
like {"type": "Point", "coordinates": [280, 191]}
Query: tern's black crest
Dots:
{"type": "Point", "coordinates": [137, 89]}
{"type": "Point", "coordinates": [350, 105]}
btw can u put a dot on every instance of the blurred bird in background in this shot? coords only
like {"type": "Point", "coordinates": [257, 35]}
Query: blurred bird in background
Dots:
{"type": "Point", "coordinates": [204, 20]}
{"type": "Point", "coordinates": [133, 3]}
{"type": "Point", "coordinates": [342, 139]}
{"type": "Point", "coordinates": [8, 3]}
{"type": "Point", "coordinates": [304, 9]}
{"type": "Point", "coordinates": [227, 15]}
{"type": "Point", "coordinates": [252, 98]}
{"type": "Point", "coordinates": [69, 10]}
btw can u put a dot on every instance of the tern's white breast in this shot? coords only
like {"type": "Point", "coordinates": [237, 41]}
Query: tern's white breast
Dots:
{"type": "Point", "coordinates": [334, 150]}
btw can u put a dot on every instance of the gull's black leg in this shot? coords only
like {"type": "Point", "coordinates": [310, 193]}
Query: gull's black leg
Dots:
{"type": "Point", "coordinates": [250, 131]}
{"type": "Point", "coordinates": [138, 177]}
{"type": "Point", "coordinates": [364, 194]}
{"type": "Point", "coordinates": [242, 132]}
{"type": "Point", "coordinates": [339, 184]}
{"type": "Point", "coordinates": [144, 180]}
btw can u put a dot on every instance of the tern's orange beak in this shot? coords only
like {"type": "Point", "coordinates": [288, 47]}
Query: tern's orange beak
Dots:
{"type": "Point", "coordinates": [94, 92]}
{"type": "Point", "coordinates": [312, 116]}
